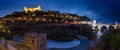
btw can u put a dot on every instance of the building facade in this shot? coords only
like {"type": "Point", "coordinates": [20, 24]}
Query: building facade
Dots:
{"type": "Point", "coordinates": [35, 41]}
{"type": "Point", "coordinates": [38, 8]}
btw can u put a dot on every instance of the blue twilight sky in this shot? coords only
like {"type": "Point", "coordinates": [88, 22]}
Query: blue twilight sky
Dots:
{"type": "Point", "coordinates": [107, 11]}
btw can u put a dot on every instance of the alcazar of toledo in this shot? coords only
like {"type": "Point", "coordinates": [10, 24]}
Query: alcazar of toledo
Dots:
{"type": "Point", "coordinates": [38, 8]}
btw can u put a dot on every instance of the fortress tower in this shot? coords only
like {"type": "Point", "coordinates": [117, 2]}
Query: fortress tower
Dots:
{"type": "Point", "coordinates": [38, 8]}
{"type": "Point", "coordinates": [94, 23]}
{"type": "Point", "coordinates": [35, 41]}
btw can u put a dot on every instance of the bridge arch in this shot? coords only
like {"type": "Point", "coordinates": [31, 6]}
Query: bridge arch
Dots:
{"type": "Point", "coordinates": [103, 28]}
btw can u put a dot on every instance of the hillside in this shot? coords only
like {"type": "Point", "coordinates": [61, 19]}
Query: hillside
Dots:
{"type": "Point", "coordinates": [46, 16]}
{"type": "Point", "coordinates": [53, 23]}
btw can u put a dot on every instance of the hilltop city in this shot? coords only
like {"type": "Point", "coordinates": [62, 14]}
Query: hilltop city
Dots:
{"type": "Point", "coordinates": [36, 29]}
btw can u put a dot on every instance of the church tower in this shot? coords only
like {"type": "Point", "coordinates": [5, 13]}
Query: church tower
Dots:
{"type": "Point", "coordinates": [35, 41]}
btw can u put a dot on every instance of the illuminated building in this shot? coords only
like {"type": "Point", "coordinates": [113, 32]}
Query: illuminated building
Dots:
{"type": "Point", "coordinates": [38, 8]}
{"type": "Point", "coordinates": [118, 26]}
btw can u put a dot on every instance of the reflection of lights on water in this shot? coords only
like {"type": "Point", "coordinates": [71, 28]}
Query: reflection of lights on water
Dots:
{"type": "Point", "coordinates": [99, 34]}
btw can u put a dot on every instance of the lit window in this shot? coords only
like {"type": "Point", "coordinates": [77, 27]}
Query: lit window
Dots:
{"type": "Point", "coordinates": [52, 15]}
{"type": "Point", "coordinates": [30, 19]}
{"type": "Point", "coordinates": [33, 14]}
{"type": "Point", "coordinates": [37, 19]}
{"type": "Point", "coordinates": [44, 19]}
{"type": "Point", "coordinates": [66, 16]}
{"type": "Point", "coordinates": [44, 15]}
{"type": "Point", "coordinates": [66, 21]}
{"type": "Point", "coordinates": [19, 18]}
{"type": "Point", "coordinates": [56, 20]}
{"type": "Point", "coordinates": [75, 17]}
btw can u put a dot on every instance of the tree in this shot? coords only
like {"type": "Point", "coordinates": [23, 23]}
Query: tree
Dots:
{"type": "Point", "coordinates": [86, 30]}
{"type": "Point", "coordinates": [114, 43]}
{"type": "Point", "coordinates": [1, 34]}
{"type": "Point", "coordinates": [62, 35]}
{"type": "Point", "coordinates": [7, 36]}
{"type": "Point", "coordinates": [112, 39]}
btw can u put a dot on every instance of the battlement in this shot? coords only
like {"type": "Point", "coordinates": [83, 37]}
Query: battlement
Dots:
{"type": "Point", "coordinates": [26, 9]}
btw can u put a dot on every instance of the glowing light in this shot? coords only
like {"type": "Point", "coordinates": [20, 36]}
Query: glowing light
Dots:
{"type": "Point", "coordinates": [75, 17]}
{"type": "Point", "coordinates": [37, 19]}
{"type": "Point", "coordinates": [44, 19]}
{"type": "Point", "coordinates": [94, 23]}
{"type": "Point", "coordinates": [52, 15]}
{"type": "Point", "coordinates": [30, 18]}
{"type": "Point", "coordinates": [66, 16]}
{"type": "Point", "coordinates": [44, 15]}
{"type": "Point", "coordinates": [19, 18]}
{"type": "Point", "coordinates": [56, 20]}
{"type": "Point", "coordinates": [66, 21]}
{"type": "Point", "coordinates": [33, 14]}
{"type": "Point", "coordinates": [25, 18]}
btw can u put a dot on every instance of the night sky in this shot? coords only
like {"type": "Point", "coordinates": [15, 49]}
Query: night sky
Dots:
{"type": "Point", "coordinates": [107, 11]}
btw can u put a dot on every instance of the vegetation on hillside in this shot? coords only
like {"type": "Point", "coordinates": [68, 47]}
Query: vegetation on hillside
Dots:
{"type": "Point", "coordinates": [111, 39]}
{"type": "Point", "coordinates": [7, 36]}
{"type": "Point", "coordinates": [68, 33]}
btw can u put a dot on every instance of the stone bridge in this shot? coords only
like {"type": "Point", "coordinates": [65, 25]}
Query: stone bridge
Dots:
{"type": "Point", "coordinates": [99, 26]}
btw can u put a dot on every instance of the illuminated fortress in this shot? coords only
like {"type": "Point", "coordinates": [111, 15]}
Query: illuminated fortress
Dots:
{"type": "Point", "coordinates": [26, 9]}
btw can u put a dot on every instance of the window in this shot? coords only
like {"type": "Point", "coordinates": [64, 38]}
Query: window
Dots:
{"type": "Point", "coordinates": [44, 19]}
{"type": "Point", "coordinates": [32, 41]}
{"type": "Point", "coordinates": [37, 19]}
